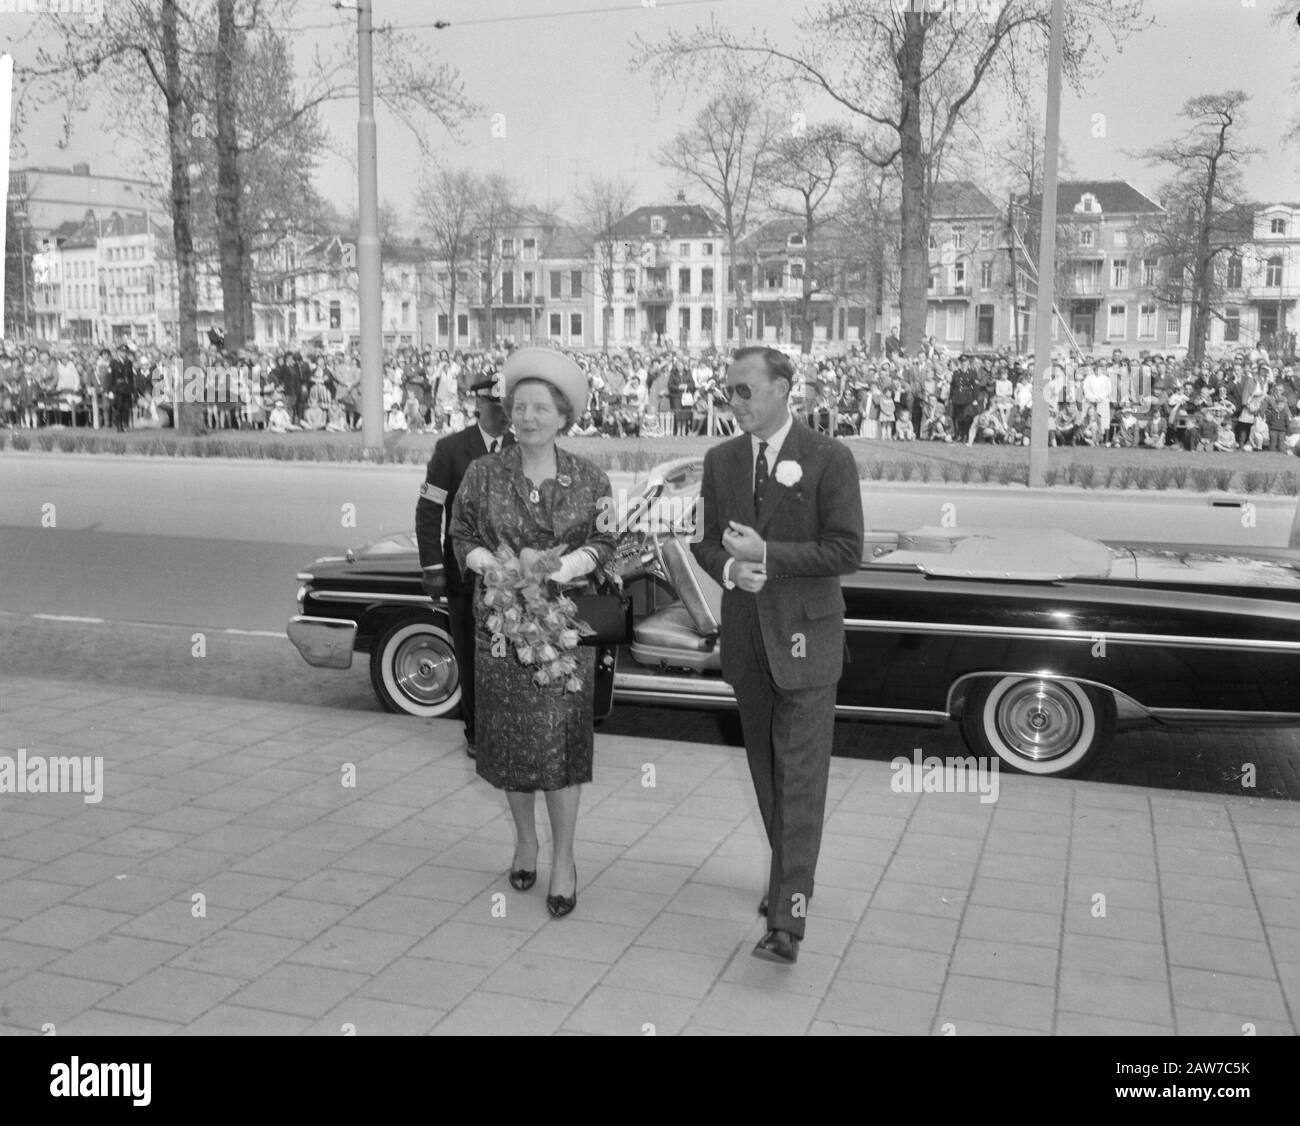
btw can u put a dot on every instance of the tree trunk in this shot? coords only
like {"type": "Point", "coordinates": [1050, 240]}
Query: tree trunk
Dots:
{"type": "Point", "coordinates": [915, 259]}
{"type": "Point", "coordinates": [737, 289]}
{"type": "Point", "coordinates": [189, 416]}
{"type": "Point", "coordinates": [451, 314]}
{"type": "Point", "coordinates": [229, 230]}
{"type": "Point", "coordinates": [805, 312]}
{"type": "Point", "coordinates": [1201, 268]}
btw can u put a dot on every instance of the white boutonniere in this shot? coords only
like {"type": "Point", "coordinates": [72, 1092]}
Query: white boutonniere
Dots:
{"type": "Point", "coordinates": [789, 474]}
{"type": "Point", "coordinates": [564, 480]}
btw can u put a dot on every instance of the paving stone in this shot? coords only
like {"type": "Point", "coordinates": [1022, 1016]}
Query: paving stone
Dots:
{"type": "Point", "coordinates": [170, 994]}
{"type": "Point", "coordinates": [896, 1010]}
{"type": "Point", "coordinates": [1009, 1004]}
{"type": "Point", "coordinates": [440, 985]}
{"type": "Point", "coordinates": [547, 977]}
{"type": "Point", "coordinates": [366, 1016]}
{"type": "Point", "coordinates": [115, 958]}
{"type": "Point", "coordinates": [674, 972]}
{"type": "Point", "coordinates": [497, 1014]}
{"type": "Point", "coordinates": [609, 1011]}
{"type": "Point", "coordinates": [236, 1020]}
{"type": "Point", "coordinates": [1100, 954]}
{"type": "Point", "coordinates": [65, 927]}
{"type": "Point", "coordinates": [309, 991]}
{"type": "Point", "coordinates": [1005, 961]}
{"type": "Point", "coordinates": [291, 918]}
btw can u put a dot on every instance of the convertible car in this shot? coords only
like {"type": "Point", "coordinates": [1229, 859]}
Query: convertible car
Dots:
{"type": "Point", "coordinates": [1039, 643]}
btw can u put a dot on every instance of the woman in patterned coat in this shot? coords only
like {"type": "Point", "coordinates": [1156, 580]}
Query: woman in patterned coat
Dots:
{"type": "Point", "coordinates": [533, 497]}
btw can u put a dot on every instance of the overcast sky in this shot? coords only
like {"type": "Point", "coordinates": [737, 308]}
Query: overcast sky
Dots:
{"type": "Point", "coordinates": [572, 107]}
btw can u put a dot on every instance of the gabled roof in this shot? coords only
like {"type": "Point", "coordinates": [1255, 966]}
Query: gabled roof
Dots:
{"type": "Point", "coordinates": [567, 241]}
{"type": "Point", "coordinates": [681, 220]}
{"type": "Point", "coordinates": [1111, 195]}
{"type": "Point", "coordinates": [955, 199]}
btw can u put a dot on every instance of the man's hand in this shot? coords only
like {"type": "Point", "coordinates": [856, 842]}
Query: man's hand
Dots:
{"type": "Point", "coordinates": [742, 543]}
{"type": "Point", "coordinates": [434, 583]}
{"type": "Point", "coordinates": [749, 576]}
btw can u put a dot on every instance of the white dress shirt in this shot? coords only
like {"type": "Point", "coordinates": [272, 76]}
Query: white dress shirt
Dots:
{"type": "Point", "coordinates": [774, 444]}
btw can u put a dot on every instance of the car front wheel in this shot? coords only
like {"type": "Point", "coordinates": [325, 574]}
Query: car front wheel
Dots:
{"type": "Point", "coordinates": [414, 670]}
{"type": "Point", "coordinates": [1038, 726]}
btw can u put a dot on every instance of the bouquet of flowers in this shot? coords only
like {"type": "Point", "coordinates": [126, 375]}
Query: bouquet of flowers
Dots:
{"type": "Point", "coordinates": [543, 631]}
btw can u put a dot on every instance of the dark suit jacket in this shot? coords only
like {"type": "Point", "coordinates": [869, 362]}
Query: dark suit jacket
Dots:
{"type": "Point", "coordinates": [813, 531]}
{"type": "Point", "coordinates": [442, 478]}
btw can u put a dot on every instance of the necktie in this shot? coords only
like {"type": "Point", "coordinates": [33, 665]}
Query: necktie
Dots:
{"type": "Point", "coordinates": [492, 448]}
{"type": "Point", "coordinates": [760, 478]}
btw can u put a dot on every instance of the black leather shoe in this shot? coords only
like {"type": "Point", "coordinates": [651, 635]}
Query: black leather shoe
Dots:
{"type": "Point", "coordinates": [762, 907]}
{"type": "Point", "coordinates": [521, 879]}
{"type": "Point", "coordinates": [561, 905]}
{"type": "Point", "coordinates": [778, 946]}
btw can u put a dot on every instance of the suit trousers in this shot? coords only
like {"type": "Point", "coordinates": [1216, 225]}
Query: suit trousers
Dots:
{"type": "Point", "coordinates": [460, 609]}
{"type": "Point", "coordinates": [788, 735]}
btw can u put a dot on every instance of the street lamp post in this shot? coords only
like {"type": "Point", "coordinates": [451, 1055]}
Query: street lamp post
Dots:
{"type": "Point", "coordinates": [368, 263]}
{"type": "Point", "coordinates": [1046, 256]}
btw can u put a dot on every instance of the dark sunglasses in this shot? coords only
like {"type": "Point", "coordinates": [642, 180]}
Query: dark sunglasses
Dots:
{"type": "Point", "coordinates": [731, 390]}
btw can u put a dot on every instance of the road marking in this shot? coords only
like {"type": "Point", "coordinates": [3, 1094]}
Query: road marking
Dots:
{"type": "Point", "coordinates": [68, 618]}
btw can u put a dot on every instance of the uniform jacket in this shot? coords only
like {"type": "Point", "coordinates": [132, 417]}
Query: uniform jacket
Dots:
{"type": "Point", "coordinates": [442, 478]}
{"type": "Point", "coordinates": [813, 531]}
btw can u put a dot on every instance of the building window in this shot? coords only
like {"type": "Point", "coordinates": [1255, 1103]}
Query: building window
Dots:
{"type": "Point", "coordinates": [1231, 324]}
{"type": "Point", "coordinates": [530, 250]}
{"type": "Point", "coordinates": [706, 321]}
{"type": "Point", "coordinates": [1085, 236]}
{"type": "Point", "coordinates": [507, 248]}
{"type": "Point", "coordinates": [557, 324]}
{"type": "Point", "coordinates": [575, 326]}
{"type": "Point", "coordinates": [1117, 324]}
{"type": "Point", "coordinates": [1172, 327]}
{"type": "Point", "coordinates": [555, 284]}
{"type": "Point", "coordinates": [462, 325]}
{"type": "Point", "coordinates": [683, 250]}
{"type": "Point", "coordinates": [959, 238]}
{"type": "Point", "coordinates": [707, 251]}
{"type": "Point", "coordinates": [932, 282]}
{"type": "Point", "coordinates": [1277, 226]}
{"type": "Point", "coordinates": [986, 275]}
{"type": "Point", "coordinates": [956, 322]}
{"type": "Point", "coordinates": [336, 314]}
{"type": "Point", "coordinates": [986, 238]}
{"type": "Point", "coordinates": [796, 271]}
{"type": "Point", "coordinates": [575, 283]}
{"type": "Point", "coordinates": [406, 315]}
{"type": "Point", "coordinates": [1234, 272]}
{"type": "Point", "coordinates": [508, 288]}
{"type": "Point", "coordinates": [1147, 322]}
{"type": "Point", "coordinates": [442, 325]}
{"type": "Point", "coordinates": [629, 281]}
{"type": "Point", "coordinates": [773, 277]}
{"type": "Point", "coordinates": [959, 277]}
{"type": "Point", "coordinates": [656, 224]}
{"type": "Point", "coordinates": [1089, 203]}
{"type": "Point", "coordinates": [984, 326]}
{"type": "Point", "coordinates": [706, 280]}
{"type": "Point", "coordinates": [1148, 271]}
{"type": "Point", "coordinates": [934, 245]}
{"type": "Point", "coordinates": [1121, 238]}
{"type": "Point", "coordinates": [1273, 271]}
{"type": "Point", "coordinates": [684, 281]}
{"type": "Point", "coordinates": [629, 324]}
{"type": "Point", "coordinates": [528, 286]}
{"type": "Point", "coordinates": [684, 321]}
{"type": "Point", "coordinates": [1119, 274]}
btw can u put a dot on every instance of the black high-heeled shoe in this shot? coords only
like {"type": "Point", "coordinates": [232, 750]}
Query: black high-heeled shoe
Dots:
{"type": "Point", "coordinates": [521, 879]}
{"type": "Point", "coordinates": [561, 905]}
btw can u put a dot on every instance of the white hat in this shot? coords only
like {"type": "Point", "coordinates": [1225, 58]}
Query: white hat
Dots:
{"type": "Point", "coordinates": [553, 367]}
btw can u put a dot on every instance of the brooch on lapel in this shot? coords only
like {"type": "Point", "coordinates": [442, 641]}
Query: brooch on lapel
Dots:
{"type": "Point", "coordinates": [564, 480]}
{"type": "Point", "coordinates": [789, 474]}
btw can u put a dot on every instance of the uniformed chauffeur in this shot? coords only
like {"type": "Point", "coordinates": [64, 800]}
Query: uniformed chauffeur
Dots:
{"type": "Point", "coordinates": [451, 457]}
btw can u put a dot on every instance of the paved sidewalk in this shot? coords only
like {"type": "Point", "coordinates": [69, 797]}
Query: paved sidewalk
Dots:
{"type": "Point", "coordinates": [230, 882]}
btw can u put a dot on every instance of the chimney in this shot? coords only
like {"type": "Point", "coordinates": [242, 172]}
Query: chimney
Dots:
{"type": "Point", "coordinates": [681, 195]}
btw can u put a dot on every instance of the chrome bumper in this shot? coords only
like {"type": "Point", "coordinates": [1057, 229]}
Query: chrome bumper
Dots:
{"type": "Point", "coordinates": [323, 642]}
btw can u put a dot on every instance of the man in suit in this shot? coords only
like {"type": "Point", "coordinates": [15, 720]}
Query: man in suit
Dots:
{"type": "Point", "coordinates": [122, 384]}
{"type": "Point", "coordinates": [451, 457]}
{"type": "Point", "coordinates": [782, 520]}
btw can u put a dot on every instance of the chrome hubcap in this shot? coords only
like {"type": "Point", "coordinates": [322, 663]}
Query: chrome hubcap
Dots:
{"type": "Point", "coordinates": [425, 669]}
{"type": "Point", "coordinates": [1039, 719]}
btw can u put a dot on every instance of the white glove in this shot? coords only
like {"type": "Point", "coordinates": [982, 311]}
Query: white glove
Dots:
{"type": "Point", "coordinates": [479, 559]}
{"type": "Point", "coordinates": [573, 566]}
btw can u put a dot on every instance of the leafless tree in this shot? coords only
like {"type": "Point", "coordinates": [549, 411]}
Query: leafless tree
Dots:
{"type": "Point", "coordinates": [601, 203]}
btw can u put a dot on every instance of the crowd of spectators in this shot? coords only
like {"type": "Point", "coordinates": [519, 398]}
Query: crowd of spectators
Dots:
{"type": "Point", "coordinates": [1246, 400]}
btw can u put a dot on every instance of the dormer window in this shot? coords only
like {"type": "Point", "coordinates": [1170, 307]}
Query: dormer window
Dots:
{"type": "Point", "coordinates": [795, 240]}
{"type": "Point", "coordinates": [1088, 203]}
{"type": "Point", "coordinates": [656, 224]}
{"type": "Point", "coordinates": [1277, 226]}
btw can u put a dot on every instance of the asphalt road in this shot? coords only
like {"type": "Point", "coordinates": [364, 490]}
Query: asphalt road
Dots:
{"type": "Point", "coordinates": [185, 572]}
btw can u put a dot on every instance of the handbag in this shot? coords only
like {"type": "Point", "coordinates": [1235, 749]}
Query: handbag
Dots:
{"type": "Point", "coordinates": [607, 612]}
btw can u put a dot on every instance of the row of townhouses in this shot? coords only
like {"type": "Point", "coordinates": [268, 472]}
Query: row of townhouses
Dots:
{"type": "Point", "coordinates": [104, 275]}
